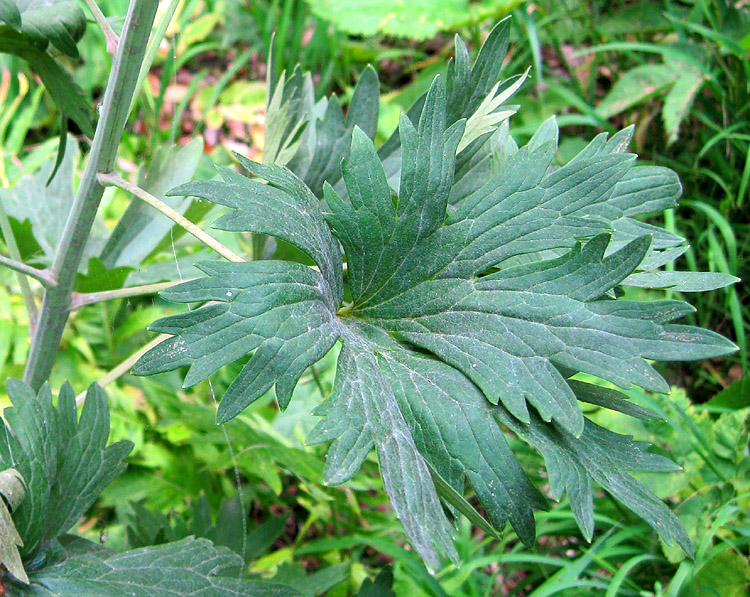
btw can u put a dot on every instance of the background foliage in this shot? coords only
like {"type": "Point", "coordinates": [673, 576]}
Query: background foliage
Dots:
{"type": "Point", "coordinates": [678, 71]}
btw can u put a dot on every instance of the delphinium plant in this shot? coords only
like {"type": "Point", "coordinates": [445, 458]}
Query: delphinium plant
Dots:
{"type": "Point", "coordinates": [472, 288]}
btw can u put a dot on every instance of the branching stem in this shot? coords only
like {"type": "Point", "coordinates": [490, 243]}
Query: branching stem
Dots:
{"type": "Point", "coordinates": [114, 179]}
{"type": "Point", "coordinates": [114, 114]}
{"type": "Point", "coordinates": [40, 275]}
{"type": "Point", "coordinates": [111, 37]}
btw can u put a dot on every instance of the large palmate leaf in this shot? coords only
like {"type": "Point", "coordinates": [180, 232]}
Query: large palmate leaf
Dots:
{"type": "Point", "coordinates": [480, 278]}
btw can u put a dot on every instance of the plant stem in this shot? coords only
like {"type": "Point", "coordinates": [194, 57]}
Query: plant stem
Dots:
{"type": "Point", "coordinates": [101, 20]}
{"type": "Point", "coordinates": [115, 109]}
{"type": "Point", "coordinates": [123, 367]}
{"type": "Point", "coordinates": [81, 299]}
{"type": "Point", "coordinates": [114, 179]}
{"type": "Point", "coordinates": [10, 242]}
{"type": "Point", "coordinates": [39, 275]}
{"type": "Point", "coordinates": [153, 45]}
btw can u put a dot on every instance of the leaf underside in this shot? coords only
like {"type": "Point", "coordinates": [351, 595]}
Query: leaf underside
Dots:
{"type": "Point", "coordinates": [477, 284]}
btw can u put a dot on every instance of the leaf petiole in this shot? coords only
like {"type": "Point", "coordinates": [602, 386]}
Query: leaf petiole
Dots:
{"type": "Point", "coordinates": [114, 179]}
{"type": "Point", "coordinates": [112, 38]}
{"type": "Point", "coordinates": [81, 299]}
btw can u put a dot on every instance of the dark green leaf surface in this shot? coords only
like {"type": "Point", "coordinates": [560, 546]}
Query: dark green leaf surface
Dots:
{"type": "Point", "coordinates": [59, 22]}
{"type": "Point", "coordinates": [65, 92]}
{"type": "Point", "coordinates": [477, 285]}
{"type": "Point", "coordinates": [64, 460]}
{"type": "Point", "coordinates": [190, 567]}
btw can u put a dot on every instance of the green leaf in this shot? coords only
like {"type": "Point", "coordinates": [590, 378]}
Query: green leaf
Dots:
{"type": "Point", "coordinates": [382, 586]}
{"type": "Point", "coordinates": [678, 101]}
{"type": "Point", "coordinates": [725, 574]}
{"type": "Point", "coordinates": [471, 301]}
{"type": "Point", "coordinates": [63, 459]}
{"type": "Point", "coordinates": [419, 19]}
{"type": "Point", "coordinates": [326, 138]}
{"type": "Point", "coordinates": [10, 14]}
{"type": "Point", "coordinates": [735, 396]}
{"type": "Point", "coordinates": [311, 585]}
{"type": "Point", "coordinates": [681, 281]}
{"type": "Point", "coordinates": [98, 277]}
{"type": "Point", "coordinates": [60, 22]}
{"type": "Point", "coordinates": [65, 92]}
{"type": "Point", "coordinates": [145, 528]}
{"type": "Point", "coordinates": [635, 86]}
{"type": "Point", "coordinates": [188, 567]}
{"type": "Point", "coordinates": [141, 228]}
{"type": "Point", "coordinates": [573, 463]}
{"type": "Point", "coordinates": [46, 206]}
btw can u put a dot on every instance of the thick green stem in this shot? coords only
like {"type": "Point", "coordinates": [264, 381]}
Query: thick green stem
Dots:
{"type": "Point", "coordinates": [115, 109]}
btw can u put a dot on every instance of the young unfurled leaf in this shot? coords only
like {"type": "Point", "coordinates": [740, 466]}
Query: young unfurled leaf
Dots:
{"type": "Point", "coordinates": [12, 493]}
{"type": "Point", "coordinates": [477, 285]}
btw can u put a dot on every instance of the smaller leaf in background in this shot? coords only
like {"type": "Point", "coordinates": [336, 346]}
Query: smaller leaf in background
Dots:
{"type": "Point", "coordinates": [98, 277]}
{"type": "Point", "coordinates": [678, 101]}
{"type": "Point", "coordinates": [727, 574]}
{"type": "Point", "coordinates": [144, 528]}
{"type": "Point", "coordinates": [635, 86]}
{"type": "Point", "coordinates": [141, 229]}
{"type": "Point", "coordinates": [46, 207]}
{"type": "Point", "coordinates": [65, 92]}
{"type": "Point", "coordinates": [10, 14]}
{"type": "Point", "coordinates": [311, 585]}
{"type": "Point", "coordinates": [12, 493]}
{"type": "Point", "coordinates": [382, 586]}
{"type": "Point", "coordinates": [418, 19]}
{"type": "Point", "coordinates": [64, 460]}
{"type": "Point", "coordinates": [735, 396]}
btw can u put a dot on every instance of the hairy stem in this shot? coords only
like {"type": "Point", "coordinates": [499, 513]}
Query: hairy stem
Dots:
{"type": "Point", "coordinates": [89, 298]}
{"type": "Point", "coordinates": [10, 242]}
{"type": "Point", "coordinates": [115, 179]}
{"type": "Point", "coordinates": [115, 109]}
